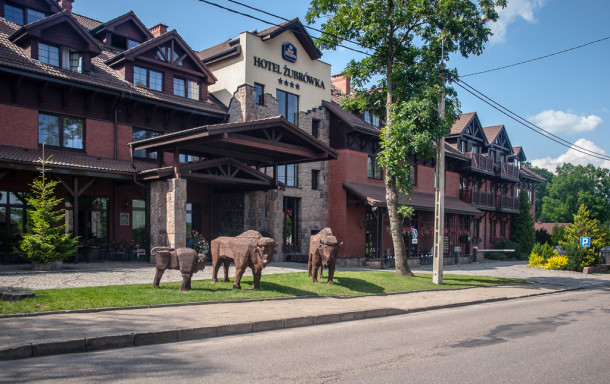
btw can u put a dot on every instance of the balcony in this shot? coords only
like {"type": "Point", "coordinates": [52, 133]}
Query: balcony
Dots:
{"type": "Point", "coordinates": [481, 163]}
{"type": "Point", "coordinates": [509, 171]}
{"type": "Point", "coordinates": [481, 200]}
{"type": "Point", "coordinates": [507, 204]}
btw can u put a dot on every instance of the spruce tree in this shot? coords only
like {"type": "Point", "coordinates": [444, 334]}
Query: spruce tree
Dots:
{"type": "Point", "coordinates": [584, 226]}
{"type": "Point", "coordinates": [523, 231]}
{"type": "Point", "coordinates": [46, 240]}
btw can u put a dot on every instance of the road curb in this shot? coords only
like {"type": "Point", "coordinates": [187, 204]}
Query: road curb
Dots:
{"type": "Point", "coordinates": [199, 333]}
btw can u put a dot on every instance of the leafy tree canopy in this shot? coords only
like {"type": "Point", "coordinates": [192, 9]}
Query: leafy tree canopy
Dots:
{"type": "Point", "coordinates": [576, 185]}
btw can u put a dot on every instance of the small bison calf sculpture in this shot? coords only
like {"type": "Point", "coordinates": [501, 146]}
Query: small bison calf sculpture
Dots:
{"type": "Point", "coordinates": [323, 250]}
{"type": "Point", "coordinates": [248, 250]}
{"type": "Point", "coordinates": [184, 259]}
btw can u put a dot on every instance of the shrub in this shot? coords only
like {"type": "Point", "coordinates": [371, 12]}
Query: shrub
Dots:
{"type": "Point", "coordinates": [507, 244]}
{"type": "Point", "coordinates": [536, 260]}
{"type": "Point", "coordinates": [557, 262]}
{"type": "Point", "coordinates": [578, 257]}
{"type": "Point", "coordinates": [544, 250]}
{"type": "Point", "coordinates": [542, 236]}
{"type": "Point", "coordinates": [495, 256]}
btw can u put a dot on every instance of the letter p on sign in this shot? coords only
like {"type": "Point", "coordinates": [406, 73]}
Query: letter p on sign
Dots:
{"type": "Point", "coordinates": [585, 242]}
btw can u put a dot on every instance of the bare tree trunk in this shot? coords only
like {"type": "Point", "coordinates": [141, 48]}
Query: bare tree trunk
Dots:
{"type": "Point", "coordinates": [400, 257]}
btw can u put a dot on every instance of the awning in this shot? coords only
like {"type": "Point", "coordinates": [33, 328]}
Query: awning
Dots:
{"type": "Point", "coordinates": [256, 143]}
{"type": "Point", "coordinates": [374, 195]}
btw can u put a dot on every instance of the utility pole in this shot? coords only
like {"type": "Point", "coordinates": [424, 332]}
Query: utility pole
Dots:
{"type": "Point", "coordinates": [439, 194]}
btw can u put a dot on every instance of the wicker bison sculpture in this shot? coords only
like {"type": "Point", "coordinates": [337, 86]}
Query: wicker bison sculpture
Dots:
{"type": "Point", "coordinates": [248, 250]}
{"type": "Point", "coordinates": [323, 250]}
{"type": "Point", "coordinates": [186, 260]}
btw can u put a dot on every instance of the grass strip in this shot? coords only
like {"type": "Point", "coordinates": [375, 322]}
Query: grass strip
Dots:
{"type": "Point", "coordinates": [347, 283]}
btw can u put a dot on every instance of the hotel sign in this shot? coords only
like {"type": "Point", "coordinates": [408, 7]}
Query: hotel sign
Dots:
{"type": "Point", "coordinates": [289, 52]}
{"type": "Point", "coordinates": [291, 76]}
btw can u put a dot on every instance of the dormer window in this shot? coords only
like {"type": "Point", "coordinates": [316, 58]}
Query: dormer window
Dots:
{"type": "Point", "coordinates": [122, 43]}
{"type": "Point", "coordinates": [48, 54]}
{"type": "Point", "coordinates": [372, 119]}
{"type": "Point", "coordinates": [69, 58]}
{"type": "Point", "coordinates": [148, 78]}
{"type": "Point", "coordinates": [20, 15]}
{"type": "Point", "coordinates": [186, 88]}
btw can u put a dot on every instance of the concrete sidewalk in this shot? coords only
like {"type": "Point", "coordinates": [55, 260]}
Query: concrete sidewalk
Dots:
{"type": "Point", "coordinates": [82, 331]}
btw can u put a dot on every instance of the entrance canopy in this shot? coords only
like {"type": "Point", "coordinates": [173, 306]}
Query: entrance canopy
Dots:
{"type": "Point", "coordinates": [374, 195]}
{"type": "Point", "coordinates": [260, 143]}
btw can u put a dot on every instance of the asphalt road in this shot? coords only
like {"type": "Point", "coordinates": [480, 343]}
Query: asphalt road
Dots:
{"type": "Point", "coordinates": [560, 338]}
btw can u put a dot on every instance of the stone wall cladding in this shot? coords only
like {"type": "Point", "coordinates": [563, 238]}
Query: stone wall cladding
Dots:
{"type": "Point", "coordinates": [313, 203]}
{"type": "Point", "coordinates": [176, 213]}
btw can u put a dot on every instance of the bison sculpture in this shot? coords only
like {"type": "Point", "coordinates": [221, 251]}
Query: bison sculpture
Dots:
{"type": "Point", "coordinates": [186, 260]}
{"type": "Point", "coordinates": [323, 250]}
{"type": "Point", "coordinates": [248, 250]}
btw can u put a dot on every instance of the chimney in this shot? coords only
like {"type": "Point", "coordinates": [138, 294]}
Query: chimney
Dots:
{"type": "Point", "coordinates": [66, 4]}
{"type": "Point", "coordinates": [342, 83]}
{"type": "Point", "coordinates": [158, 30]}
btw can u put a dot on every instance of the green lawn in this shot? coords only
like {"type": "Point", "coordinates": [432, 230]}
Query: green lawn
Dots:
{"type": "Point", "coordinates": [347, 283]}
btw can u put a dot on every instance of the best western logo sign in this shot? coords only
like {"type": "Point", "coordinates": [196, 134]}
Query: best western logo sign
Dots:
{"type": "Point", "coordinates": [289, 52]}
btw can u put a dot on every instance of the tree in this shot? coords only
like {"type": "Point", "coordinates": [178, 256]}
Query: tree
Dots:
{"type": "Point", "coordinates": [584, 226]}
{"type": "Point", "coordinates": [522, 231]}
{"type": "Point", "coordinates": [574, 186]}
{"type": "Point", "coordinates": [541, 189]}
{"type": "Point", "coordinates": [407, 39]}
{"type": "Point", "coordinates": [46, 240]}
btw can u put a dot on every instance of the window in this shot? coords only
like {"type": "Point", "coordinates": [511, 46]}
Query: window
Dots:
{"type": "Point", "coordinates": [463, 145]}
{"type": "Point", "coordinates": [315, 176]}
{"type": "Point", "coordinates": [413, 174]}
{"type": "Point", "coordinates": [287, 174]}
{"type": "Point", "coordinates": [476, 149]}
{"type": "Point", "coordinates": [260, 93]}
{"type": "Point", "coordinates": [188, 158]}
{"type": "Point", "coordinates": [122, 43]}
{"type": "Point", "coordinates": [63, 132]}
{"type": "Point", "coordinates": [148, 78]}
{"type": "Point", "coordinates": [179, 87]}
{"type": "Point", "coordinates": [13, 216]}
{"type": "Point", "coordinates": [371, 119]}
{"type": "Point", "coordinates": [48, 54]}
{"type": "Point", "coordinates": [288, 106]}
{"type": "Point", "coordinates": [138, 221]}
{"type": "Point", "coordinates": [503, 229]}
{"type": "Point", "coordinates": [17, 14]}
{"type": "Point", "coordinates": [315, 128]}
{"type": "Point", "coordinates": [93, 217]}
{"type": "Point", "coordinates": [492, 228]}
{"type": "Point", "coordinates": [291, 219]}
{"type": "Point", "coordinates": [186, 88]}
{"type": "Point", "coordinates": [193, 220]}
{"type": "Point", "coordinates": [141, 134]}
{"type": "Point", "coordinates": [374, 171]}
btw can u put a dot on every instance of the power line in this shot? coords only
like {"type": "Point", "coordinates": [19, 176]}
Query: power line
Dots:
{"type": "Point", "coordinates": [537, 58]}
{"type": "Point", "coordinates": [285, 19]}
{"type": "Point", "coordinates": [529, 125]}
{"type": "Point", "coordinates": [274, 24]}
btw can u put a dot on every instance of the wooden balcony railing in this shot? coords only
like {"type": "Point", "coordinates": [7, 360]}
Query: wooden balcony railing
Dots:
{"type": "Point", "coordinates": [509, 170]}
{"type": "Point", "coordinates": [507, 202]}
{"type": "Point", "coordinates": [480, 162]}
{"type": "Point", "coordinates": [477, 198]}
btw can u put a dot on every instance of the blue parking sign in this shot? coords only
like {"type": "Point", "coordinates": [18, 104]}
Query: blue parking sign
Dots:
{"type": "Point", "coordinates": [585, 242]}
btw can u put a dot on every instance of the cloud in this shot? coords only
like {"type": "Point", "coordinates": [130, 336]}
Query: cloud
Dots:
{"type": "Point", "coordinates": [565, 122]}
{"type": "Point", "coordinates": [574, 157]}
{"type": "Point", "coordinates": [514, 10]}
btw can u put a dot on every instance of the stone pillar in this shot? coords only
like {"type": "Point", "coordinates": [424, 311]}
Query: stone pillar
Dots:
{"type": "Point", "coordinates": [275, 224]}
{"type": "Point", "coordinates": [176, 213]}
{"type": "Point", "coordinates": [158, 215]}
